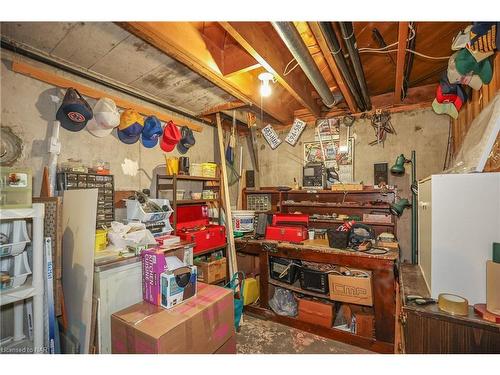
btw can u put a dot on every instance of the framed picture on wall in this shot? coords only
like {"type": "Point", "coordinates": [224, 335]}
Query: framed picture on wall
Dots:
{"type": "Point", "coordinates": [343, 162]}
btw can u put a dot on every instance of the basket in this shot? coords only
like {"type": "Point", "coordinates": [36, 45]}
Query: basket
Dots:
{"type": "Point", "coordinates": [285, 270]}
{"type": "Point", "coordinates": [135, 211]}
{"type": "Point", "coordinates": [208, 169]}
{"type": "Point", "coordinates": [337, 239]}
{"type": "Point", "coordinates": [315, 281]}
{"type": "Point", "coordinates": [195, 169]}
{"type": "Point", "coordinates": [169, 194]}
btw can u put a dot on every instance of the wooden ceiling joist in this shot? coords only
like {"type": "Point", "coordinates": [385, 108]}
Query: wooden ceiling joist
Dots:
{"type": "Point", "coordinates": [325, 50]}
{"type": "Point", "coordinates": [261, 41]}
{"type": "Point", "coordinates": [223, 107]}
{"type": "Point", "coordinates": [183, 42]}
{"type": "Point", "coordinates": [400, 60]}
{"type": "Point", "coordinates": [91, 92]}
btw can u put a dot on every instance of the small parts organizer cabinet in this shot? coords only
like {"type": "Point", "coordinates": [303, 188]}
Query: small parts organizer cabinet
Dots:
{"type": "Point", "coordinates": [105, 196]}
{"type": "Point", "coordinates": [22, 280]}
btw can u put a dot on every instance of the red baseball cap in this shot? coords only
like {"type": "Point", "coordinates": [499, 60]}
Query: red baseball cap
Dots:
{"type": "Point", "coordinates": [171, 136]}
{"type": "Point", "coordinates": [448, 98]}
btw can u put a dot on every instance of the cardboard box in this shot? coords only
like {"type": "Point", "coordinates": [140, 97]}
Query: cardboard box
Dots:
{"type": "Point", "coordinates": [154, 264]}
{"type": "Point", "coordinates": [351, 289]}
{"type": "Point", "coordinates": [203, 324]}
{"type": "Point", "coordinates": [229, 347]}
{"type": "Point", "coordinates": [178, 286]}
{"type": "Point", "coordinates": [212, 271]}
{"type": "Point", "coordinates": [316, 312]}
{"type": "Point", "coordinates": [365, 324]}
{"type": "Point", "coordinates": [378, 218]}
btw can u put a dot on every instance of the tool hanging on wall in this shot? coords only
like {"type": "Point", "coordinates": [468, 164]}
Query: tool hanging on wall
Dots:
{"type": "Point", "coordinates": [232, 142]}
{"type": "Point", "coordinates": [381, 123]}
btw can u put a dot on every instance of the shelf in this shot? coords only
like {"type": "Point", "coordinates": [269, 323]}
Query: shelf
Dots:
{"type": "Point", "coordinates": [343, 221]}
{"type": "Point", "coordinates": [333, 205]}
{"type": "Point", "coordinates": [311, 192]}
{"type": "Point", "coordinates": [17, 294]}
{"type": "Point", "coordinates": [37, 211]}
{"type": "Point", "coordinates": [209, 250]}
{"type": "Point", "coordinates": [188, 178]}
{"type": "Point", "coordinates": [194, 201]}
{"type": "Point", "coordinates": [297, 289]}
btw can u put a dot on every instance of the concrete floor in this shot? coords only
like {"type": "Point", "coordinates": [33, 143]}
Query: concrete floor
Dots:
{"type": "Point", "coordinates": [265, 337]}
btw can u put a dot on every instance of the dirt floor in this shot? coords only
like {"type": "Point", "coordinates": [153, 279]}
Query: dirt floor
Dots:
{"type": "Point", "coordinates": [265, 337]}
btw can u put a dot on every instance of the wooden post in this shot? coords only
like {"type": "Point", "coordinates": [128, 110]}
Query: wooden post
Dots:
{"type": "Point", "coordinates": [400, 61]}
{"type": "Point", "coordinates": [231, 250]}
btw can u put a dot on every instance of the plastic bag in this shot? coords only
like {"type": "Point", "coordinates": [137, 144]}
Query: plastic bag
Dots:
{"type": "Point", "coordinates": [283, 302]}
{"type": "Point", "coordinates": [132, 234]}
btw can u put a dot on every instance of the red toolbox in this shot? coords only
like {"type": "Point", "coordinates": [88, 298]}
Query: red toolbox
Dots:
{"type": "Point", "coordinates": [193, 225]}
{"type": "Point", "coordinates": [288, 228]}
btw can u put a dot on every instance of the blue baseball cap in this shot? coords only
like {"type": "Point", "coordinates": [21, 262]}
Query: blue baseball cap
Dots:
{"type": "Point", "coordinates": [151, 132]}
{"type": "Point", "coordinates": [131, 125]}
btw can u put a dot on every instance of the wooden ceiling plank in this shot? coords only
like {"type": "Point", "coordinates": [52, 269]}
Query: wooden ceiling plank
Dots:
{"type": "Point", "coordinates": [273, 56]}
{"type": "Point", "coordinates": [339, 78]}
{"type": "Point", "coordinates": [400, 60]}
{"type": "Point", "coordinates": [223, 107]}
{"type": "Point", "coordinates": [62, 82]}
{"type": "Point", "coordinates": [183, 42]}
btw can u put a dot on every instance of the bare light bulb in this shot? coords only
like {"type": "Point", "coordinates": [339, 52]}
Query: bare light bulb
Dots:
{"type": "Point", "coordinates": [265, 88]}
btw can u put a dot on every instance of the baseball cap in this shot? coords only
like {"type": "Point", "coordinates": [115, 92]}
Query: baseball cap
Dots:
{"type": "Point", "coordinates": [171, 136]}
{"type": "Point", "coordinates": [466, 63]}
{"type": "Point", "coordinates": [454, 76]}
{"type": "Point", "coordinates": [74, 111]}
{"type": "Point", "coordinates": [452, 98]}
{"type": "Point", "coordinates": [187, 140]}
{"type": "Point", "coordinates": [131, 125]}
{"type": "Point", "coordinates": [483, 36]}
{"type": "Point", "coordinates": [479, 55]}
{"type": "Point", "coordinates": [445, 108]}
{"type": "Point", "coordinates": [152, 130]}
{"type": "Point", "coordinates": [462, 39]}
{"type": "Point", "coordinates": [106, 118]}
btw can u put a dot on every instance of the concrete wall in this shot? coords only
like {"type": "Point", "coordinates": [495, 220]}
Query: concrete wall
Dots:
{"type": "Point", "coordinates": [422, 131]}
{"type": "Point", "coordinates": [28, 110]}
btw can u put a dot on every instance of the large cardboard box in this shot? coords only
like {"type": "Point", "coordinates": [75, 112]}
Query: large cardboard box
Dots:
{"type": "Point", "coordinates": [212, 271]}
{"type": "Point", "coordinates": [229, 347]}
{"type": "Point", "coordinates": [202, 324]}
{"type": "Point", "coordinates": [352, 289]}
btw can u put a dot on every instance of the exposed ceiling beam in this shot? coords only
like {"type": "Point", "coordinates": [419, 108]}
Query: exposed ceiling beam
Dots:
{"type": "Point", "coordinates": [333, 66]}
{"type": "Point", "coordinates": [400, 60]}
{"type": "Point", "coordinates": [92, 92]}
{"type": "Point", "coordinates": [261, 41]}
{"type": "Point", "coordinates": [183, 42]}
{"type": "Point", "coordinates": [223, 107]}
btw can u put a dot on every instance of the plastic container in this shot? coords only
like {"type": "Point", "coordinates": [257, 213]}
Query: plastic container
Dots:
{"type": "Point", "coordinates": [16, 235]}
{"type": "Point", "coordinates": [285, 270]}
{"type": "Point", "coordinates": [136, 212]}
{"type": "Point", "coordinates": [337, 239]}
{"type": "Point", "coordinates": [169, 194]}
{"type": "Point", "coordinates": [15, 187]}
{"type": "Point", "coordinates": [208, 194]}
{"type": "Point", "coordinates": [101, 239]}
{"type": "Point", "coordinates": [195, 195]}
{"type": "Point", "coordinates": [15, 271]}
{"type": "Point", "coordinates": [209, 170]}
{"type": "Point", "coordinates": [243, 220]}
{"type": "Point", "coordinates": [195, 170]}
{"type": "Point", "coordinates": [313, 280]}
{"type": "Point", "coordinates": [172, 164]}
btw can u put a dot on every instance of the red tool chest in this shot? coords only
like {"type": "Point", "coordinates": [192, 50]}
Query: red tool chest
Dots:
{"type": "Point", "coordinates": [193, 224]}
{"type": "Point", "coordinates": [288, 228]}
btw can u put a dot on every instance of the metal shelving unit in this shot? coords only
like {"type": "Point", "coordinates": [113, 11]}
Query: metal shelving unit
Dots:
{"type": "Point", "coordinates": [33, 288]}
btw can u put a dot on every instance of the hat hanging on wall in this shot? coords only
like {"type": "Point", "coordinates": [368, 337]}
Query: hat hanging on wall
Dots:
{"type": "Point", "coordinates": [466, 63]}
{"type": "Point", "coordinates": [187, 140]}
{"type": "Point", "coordinates": [151, 132]}
{"type": "Point", "coordinates": [454, 76]}
{"type": "Point", "coordinates": [131, 125]}
{"type": "Point", "coordinates": [74, 111]}
{"type": "Point", "coordinates": [106, 118]}
{"type": "Point", "coordinates": [171, 136]}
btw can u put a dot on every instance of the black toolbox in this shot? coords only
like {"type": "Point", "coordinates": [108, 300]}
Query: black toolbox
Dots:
{"type": "Point", "coordinates": [288, 269]}
{"type": "Point", "coordinates": [313, 280]}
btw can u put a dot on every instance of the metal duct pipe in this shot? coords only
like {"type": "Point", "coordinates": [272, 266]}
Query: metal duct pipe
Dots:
{"type": "Point", "coordinates": [338, 56]}
{"type": "Point", "coordinates": [350, 41]}
{"type": "Point", "coordinates": [300, 52]}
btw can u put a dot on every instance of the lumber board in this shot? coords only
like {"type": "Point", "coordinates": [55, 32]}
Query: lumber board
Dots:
{"type": "Point", "coordinates": [400, 60]}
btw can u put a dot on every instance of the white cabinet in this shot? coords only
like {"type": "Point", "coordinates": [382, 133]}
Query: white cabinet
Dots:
{"type": "Point", "coordinates": [116, 286]}
{"type": "Point", "coordinates": [459, 219]}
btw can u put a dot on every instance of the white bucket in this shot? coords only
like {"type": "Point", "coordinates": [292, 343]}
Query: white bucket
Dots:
{"type": "Point", "coordinates": [243, 220]}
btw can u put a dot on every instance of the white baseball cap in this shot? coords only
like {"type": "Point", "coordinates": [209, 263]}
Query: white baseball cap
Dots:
{"type": "Point", "coordinates": [454, 76]}
{"type": "Point", "coordinates": [462, 39]}
{"type": "Point", "coordinates": [106, 118]}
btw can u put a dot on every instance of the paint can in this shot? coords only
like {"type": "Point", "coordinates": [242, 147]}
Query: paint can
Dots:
{"type": "Point", "coordinates": [243, 220]}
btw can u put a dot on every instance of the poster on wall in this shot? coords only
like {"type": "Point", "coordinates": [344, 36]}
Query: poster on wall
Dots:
{"type": "Point", "coordinates": [343, 162]}
{"type": "Point", "coordinates": [329, 128]}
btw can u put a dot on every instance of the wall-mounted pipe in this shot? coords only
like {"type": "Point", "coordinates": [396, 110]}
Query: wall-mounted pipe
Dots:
{"type": "Point", "coordinates": [289, 34]}
{"type": "Point", "coordinates": [338, 56]}
{"type": "Point", "coordinates": [350, 41]}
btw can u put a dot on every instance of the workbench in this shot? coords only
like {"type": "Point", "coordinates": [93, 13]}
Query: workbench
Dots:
{"type": "Point", "coordinates": [384, 280]}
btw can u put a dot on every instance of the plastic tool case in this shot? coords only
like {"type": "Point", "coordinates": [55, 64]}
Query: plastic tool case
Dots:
{"type": "Point", "coordinates": [193, 225]}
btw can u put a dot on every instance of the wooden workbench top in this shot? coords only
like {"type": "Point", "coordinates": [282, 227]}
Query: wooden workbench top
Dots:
{"type": "Point", "coordinates": [318, 245]}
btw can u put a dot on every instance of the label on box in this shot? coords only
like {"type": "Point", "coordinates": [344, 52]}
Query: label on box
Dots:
{"type": "Point", "coordinates": [18, 180]}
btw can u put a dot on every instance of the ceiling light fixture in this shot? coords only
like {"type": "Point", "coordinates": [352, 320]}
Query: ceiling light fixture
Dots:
{"type": "Point", "coordinates": [265, 87]}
